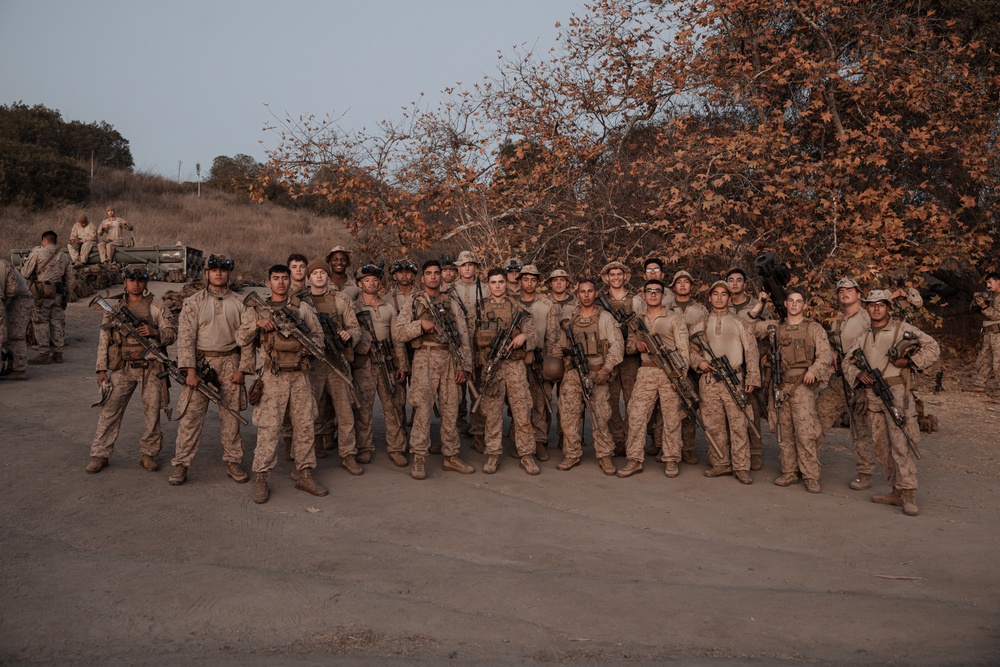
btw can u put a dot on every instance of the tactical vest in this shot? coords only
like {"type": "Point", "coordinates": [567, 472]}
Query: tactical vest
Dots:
{"type": "Point", "coordinates": [586, 331]}
{"type": "Point", "coordinates": [798, 349]}
{"type": "Point", "coordinates": [496, 320]}
{"type": "Point", "coordinates": [126, 348]}
{"type": "Point", "coordinates": [420, 311]}
{"type": "Point", "coordinates": [326, 306]}
{"type": "Point", "coordinates": [623, 306]}
{"type": "Point", "coordinates": [283, 353]}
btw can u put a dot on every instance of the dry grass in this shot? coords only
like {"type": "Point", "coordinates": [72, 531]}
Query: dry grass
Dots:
{"type": "Point", "coordinates": [165, 213]}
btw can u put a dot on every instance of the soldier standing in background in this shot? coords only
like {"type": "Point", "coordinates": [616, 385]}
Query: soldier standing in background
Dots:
{"type": "Point", "coordinates": [286, 386]}
{"type": "Point", "coordinates": [988, 360]}
{"type": "Point", "coordinates": [693, 314]}
{"type": "Point", "coordinates": [121, 360]}
{"type": "Point", "coordinates": [206, 339]}
{"type": "Point", "coordinates": [338, 259]}
{"type": "Point", "coordinates": [541, 391]}
{"type": "Point", "coordinates": [402, 274]}
{"type": "Point", "coordinates": [449, 273]}
{"type": "Point", "coordinates": [616, 276]}
{"type": "Point", "coordinates": [298, 264]}
{"type": "Point", "coordinates": [14, 316]}
{"type": "Point", "coordinates": [50, 278]}
{"type": "Point", "coordinates": [82, 240]}
{"type": "Point", "coordinates": [512, 269]}
{"type": "Point", "coordinates": [435, 373]}
{"type": "Point", "coordinates": [469, 291]}
{"type": "Point", "coordinates": [741, 303]}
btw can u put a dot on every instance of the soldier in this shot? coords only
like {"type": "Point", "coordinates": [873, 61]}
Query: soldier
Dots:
{"type": "Point", "coordinates": [113, 229]}
{"type": "Point", "coordinates": [891, 446]}
{"type": "Point", "coordinates": [846, 330]}
{"type": "Point", "coordinates": [342, 319]}
{"type": "Point", "coordinates": [988, 360]}
{"type": "Point", "coordinates": [338, 259]}
{"type": "Point", "coordinates": [806, 365]}
{"type": "Point", "coordinates": [470, 292]}
{"type": "Point", "coordinates": [14, 316]}
{"type": "Point", "coordinates": [206, 339]}
{"type": "Point", "coordinates": [121, 360]}
{"type": "Point", "coordinates": [297, 264]}
{"type": "Point", "coordinates": [286, 385]}
{"type": "Point", "coordinates": [652, 384]}
{"type": "Point", "coordinates": [540, 389]}
{"type": "Point", "coordinates": [401, 273]}
{"type": "Point", "coordinates": [727, 337]}
{"type": "Point", "coordinates": [50, 278]}
{"type": "Point", "coordinates": [510, 379]}
{"type": "Point", "coordinates": [616, 276]}
{"type": "Point", "coordinates": [741, 303]}
{"type": "Point", "coordinates": [597, 332]}
{"type": "Point", "coordinates": [369, 379]}
{"type": "Point", "coordinates": [82, 240]}
{"type": "Point", "coordinates": [652, 269]}
{"type": "Point", "coordinates": [449, 273]}
{"type": "Point", "coordinates": [434, 370]}
{"type": "Point", "coordinates": [512, 268]}
{"type": "Point", "coordinates": [693, 314]}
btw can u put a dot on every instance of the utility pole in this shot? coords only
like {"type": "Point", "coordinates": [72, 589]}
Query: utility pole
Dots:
{"type": "Point", "coordinates": [178, 171]}
{"type": "Point", "coordinates": [197, 169]}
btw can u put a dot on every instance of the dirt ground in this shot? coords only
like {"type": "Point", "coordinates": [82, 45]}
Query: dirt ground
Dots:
{"type": "Point", "coordinates": [565, 568]}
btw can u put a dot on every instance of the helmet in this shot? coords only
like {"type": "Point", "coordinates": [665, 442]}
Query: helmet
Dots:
{"type": "Point", "coordinates": [135, 272]}
{"type": "Point", "coordinates": [553, 369]}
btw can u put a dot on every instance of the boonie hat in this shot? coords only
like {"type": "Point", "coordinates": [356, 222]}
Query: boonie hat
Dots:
{"type": "Point", "coordinates": [530, 270]}
{"type": "Point", "coordinates": [876, 295]}
{"type": "Point", "coordinates": [339, 248]}
{"type": "Point", "coordinates": [558, 273]}
{"type": "Point", "coordinates": [684, 274]}
{"type": "Point", "coordinates": [848, 283]}
{"type": "Point", "coordinates": [615, 265]}
{"type": "Point", "coordinates": [466, 257]}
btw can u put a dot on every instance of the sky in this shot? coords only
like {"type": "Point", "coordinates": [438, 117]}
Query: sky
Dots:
{"type": "Point", "coordinates": [187, 81]}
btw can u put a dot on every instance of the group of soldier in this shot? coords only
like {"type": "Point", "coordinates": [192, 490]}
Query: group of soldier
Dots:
{"type": "Point", "coordinates": [452, 340]}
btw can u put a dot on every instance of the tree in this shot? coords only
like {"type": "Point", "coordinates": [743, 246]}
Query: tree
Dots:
{"type": "Point", "coordinates": [36, 178]}
{"type": "Point", "coordinates": [45, 128]}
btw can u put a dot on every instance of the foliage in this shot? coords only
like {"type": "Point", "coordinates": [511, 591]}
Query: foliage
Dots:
{"type": "Point", "coordinates": [45, 128]}
{"type": "Point", "coordinates": [33, 177]}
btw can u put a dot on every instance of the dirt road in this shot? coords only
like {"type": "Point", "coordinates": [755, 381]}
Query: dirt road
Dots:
{"type": "Point", "coordinates": [565, 568]}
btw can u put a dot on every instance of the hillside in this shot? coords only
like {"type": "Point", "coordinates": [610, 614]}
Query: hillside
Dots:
{"type": "Point", "coordinates": [166, 213]}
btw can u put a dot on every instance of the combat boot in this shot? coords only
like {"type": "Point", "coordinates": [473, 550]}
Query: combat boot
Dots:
{"type": "Point", "coordinates": [607, 467]}
{"type": "Point", "coordinates": [671, 469]}
{"type": "Point", "coordinates": [235, 473]}
{"type": "Point", "coordinates": [909, 497]}
{"type": "Point", "coordinates": [97, 464]}
{"type": "Point", "coordinates": [305, 482]}
{"type": "Point", "coordinates": [456, 464]}
{"type": "Point", "coordinates": [351, 465]}
{"type": "Point", "coordinates": [812, 486]}
{"type": "Point", "coordinates": [630, 468]}
{"type": "Point", "coordinates": [541, 451]}
{"type": "Point", "coordinates": [149, 463]}
{"type": "Point", "coordinates": [319, 447]}
{"type": "Point", "coordinates": [861, 482]}
{"type": "Point", "coordinates": [719, 471]}
{"type": "Point", "coordinates": [568, 462]}
{"type": "Point", "coordinates": [57, 357]}
{"type": "Point", "coordinates": [417, 471]}
{"type": "Point", "coordinates": [787, 479]}
{"type": "Point", "coordinates": [491, 464]}
{"type": "Point", "coordinates": [364, 456]}
{"type": "Point", "coordinates": [288, 449]}
{"type": "Point", "coordinates": [756, 462]}
{"type": "Point", "coordinates": [41, 359]}
{"type": "Point", "coordinates": [688, 457]}
{"type": "Point", "coordinates": [15, 375]}
{"type": "Point", "coordinates": [529, 465]}
{"type": "Point", "coordinates": [894, 498]}
{"type": "Point", "coordinates": [397, 458]}
{"type": "Point", "coordinates": [179, 475]}
{"type": "Point", "coordinates": [261, 492]}
{"type": "Point", "coordinates": [743, 477]}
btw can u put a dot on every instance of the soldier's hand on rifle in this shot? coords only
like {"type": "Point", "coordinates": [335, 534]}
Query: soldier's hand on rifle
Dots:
{"type": "Point", "coordinates": [809, 379]}
{"type": "Point", "coordinates": [192, 379]}
{"type": "Point", "coordinates": [428, 326]}
{"type": "Point", "coordinates": [518, 341]}
{"type": "Point", "coordinates": [980, 301]}
{"type": "Point", "coordinates": [749, 388]}
{"type": "Point", "coordinates": [267, 324]}
{"type": "Point", "coordinates": [902, 362]}
{"type": "Point", "coordinates": [344, 336]}
{"type": "Point", "coordinates": [401, 376]}
{"type": "Point", "coordinates": [236, 377]}
{"type": "Point", "coordinates": [460, 376]}
{"type": "Point", "coordinates": [705, 367]}
{"type": "Point", "coordinates": [146, 330]}
{"type": "Point", "coordinates": [600, 377]}
{"type": "Point", "coordinates": [102, 377]}
{"type": "Point", "coordinates": [763, 297]}
{"type": "Point", "coordinates": [866, 379]}
{"type": "Point", "coordinates": [641, 346]}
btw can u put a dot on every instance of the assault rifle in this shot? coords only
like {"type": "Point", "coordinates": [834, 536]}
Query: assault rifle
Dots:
{"type": "Point", "coordinates": [621, 317]}
{"type": "Point", "coordinates": [291, 325]}
{"type": "Point", "coordinates": [838, 348]}
{"type": "Point", "coordinates": [672, 364]}
{"type": "Point", "coordinates": [777, 396]}
{"type": "Point", "coordinates": [126, 322]}
{"type": "Point", "coordinates": [448, 334]}
{"type": "Point", "coordinates": [884, 392]}
{"type": "Point", "coordinates": [578, 358]}
{"type": "Point", "coordinates": [499, 353]}
{"type": "Point", "coordinates": [335, 345]}
{"type": "Point", "coordinates": [382, 354]}
{"type": "Point", "coordinates": [723, 372]}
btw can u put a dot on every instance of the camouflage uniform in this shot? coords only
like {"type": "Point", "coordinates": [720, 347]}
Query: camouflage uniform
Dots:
{"type": "Point", "coordinates": [693, 314]}
{"type": "Point", "coordinates": [433, 372]}
{"type": "Point", "coordinates": [122, 358]}
{"type": "Point", "coordinates": [113, 229]}
{"type": "Point", "coordinates": [742, 311]}
{"type": "Point", "coordinates": [369, 382]}
{"type": "Point", "coordinates": [79, 251]}
{"type": "Point", "coordinates": [724, 420]}
{"type": "Point", "coordinates": [988, 360]}
{"type": "Point", "coordinates": [51, 280]}
{"type": "Point", "coordinates": [322, 378]}
{"type": "Point", "coordinates": [605, 348]}
{"type": "Point", "coordinates": [14, 315]}
{"type": "Point", "coordinates": [891, 449]}
{"type": "Point", "coordinates": [652, 387]}
{"type": "Point", "coordinates": [804, 348]}
{"type": "Point", "coordinates": [510, 381]}
{"type": "Point", "coordinates": [553, 341]}
{"type": "Point", "coordinates": [624, 380]}
{"type": "Point", "coordinates": [286, 386]}
{"type": "Point", "coordinates": [468, 294]}
{"type": "Point", "coordinates": [207, 335]}
{"type": "Point", "coordinates": [540, 390]}
{"type": "Point", "coordinates": [832, 403]}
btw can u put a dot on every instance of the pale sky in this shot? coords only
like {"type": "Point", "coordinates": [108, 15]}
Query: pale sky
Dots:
{"type": "Point", "coordinates": [187, 81]}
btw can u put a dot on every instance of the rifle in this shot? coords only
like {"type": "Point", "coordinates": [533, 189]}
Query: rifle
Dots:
{"type": "Point", "coordinates": [128, 324]}
{"type": "Point", "coordinates": [499, 353]}
{"type": "Point", "coordinates": [777, 396]}
{"type": "Point", "coordinates": [838, 348]}
{"type": "Point", "coordinates": [621, 317]}
{"type": "Point", "coordinates": [882, 390]}
{"type": "Point", "coordinates": [672, 364]}
{"type": "Point", "coordinates": [723, 372]}
{"type": "Point", "coordinates": [291, 325]}
{"type": "Point", "coordinates": [335, 345]}
{"type": "Point", "coordinates": [448, 334]}
{"type": "Point", "coordinates": [382, 354]}
{"type": "Point", "coordinates": [578, 358]}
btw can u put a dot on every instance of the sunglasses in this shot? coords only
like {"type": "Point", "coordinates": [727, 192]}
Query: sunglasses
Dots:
{"type": "Point", "coordinates": [215, 262]}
